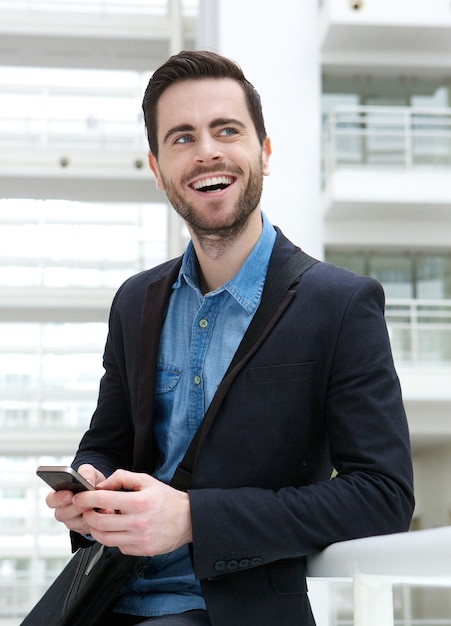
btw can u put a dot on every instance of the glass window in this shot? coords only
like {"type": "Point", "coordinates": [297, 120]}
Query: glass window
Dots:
{"type": "Point", "coordinates": [403, 275]}
{"type": "Point", "coordinates": [56, 243]}
{"type": "Point", "coordinates": [13, 416]}
{"type": "Point", "coordinates": [354, 261]}
{"type": "Point", "coordinates": [13, 493]}
{"type": "Point", "coordinates": [395, 274]}
{"type": "Point", "coordinates": [434, 276]}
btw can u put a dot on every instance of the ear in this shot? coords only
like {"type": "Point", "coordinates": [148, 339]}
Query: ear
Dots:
{"type": "Point", "coordinates": [266, 153]}
{"type": "Point", "coordinates": [153, 164]}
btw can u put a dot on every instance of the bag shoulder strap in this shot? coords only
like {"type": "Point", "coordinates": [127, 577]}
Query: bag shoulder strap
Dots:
{"type": "Point", "coordinates": [272, 295]}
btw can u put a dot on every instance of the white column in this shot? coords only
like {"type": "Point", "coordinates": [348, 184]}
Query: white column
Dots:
{"type": "Point", "coordinates": [373, 601]}
{"type": "Point", "coordinates": [277, 46]}
{"type": "Point", "coordinates": [320, 600]}
{"type": "Point", "coordinates": [176, 241]}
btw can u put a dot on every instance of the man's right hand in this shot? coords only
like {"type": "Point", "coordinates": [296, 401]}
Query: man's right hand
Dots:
{"type": "Point", "coordinates": [61, 501]}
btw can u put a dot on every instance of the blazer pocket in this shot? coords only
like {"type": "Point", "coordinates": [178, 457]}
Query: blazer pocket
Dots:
{"type": "Point", "coordinates": [287, 371]}
{"type": "Point", "coordinates": [288, 576]}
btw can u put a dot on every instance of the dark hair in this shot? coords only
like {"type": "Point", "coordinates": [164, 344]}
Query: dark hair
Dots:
{"type": "Point", "coordinates": [195, 65]}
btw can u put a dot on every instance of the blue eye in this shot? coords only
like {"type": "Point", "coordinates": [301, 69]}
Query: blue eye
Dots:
{"type": "Point", "coordinates": [228, 131]}
{"type": "Point", "coordinates": [183, 139]}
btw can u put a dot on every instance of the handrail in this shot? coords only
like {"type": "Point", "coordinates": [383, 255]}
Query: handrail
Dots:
{"type": "Point", "coordinates": [90, 132]}
{"type": "Point", "coordinates": [153, 7]}
{"type": "Point", "coordinates": [375, 564]}
{"type": "Point", "coordinates": [386, 136]}
{"type": "Point", "coordinates": [420, 330]}
{"type": "Point", "coordinates": [412, 556]}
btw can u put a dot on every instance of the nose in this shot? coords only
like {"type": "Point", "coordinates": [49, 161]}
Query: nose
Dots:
{"type": "Point", "coordinates": [208, 150]}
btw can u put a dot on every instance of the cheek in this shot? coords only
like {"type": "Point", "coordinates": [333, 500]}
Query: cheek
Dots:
{"type": "Point", "coordinates": [171, 172]}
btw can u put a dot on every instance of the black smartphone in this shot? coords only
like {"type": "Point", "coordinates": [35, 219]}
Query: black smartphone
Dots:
{"type": "Point", "coordinates": [62, 477]}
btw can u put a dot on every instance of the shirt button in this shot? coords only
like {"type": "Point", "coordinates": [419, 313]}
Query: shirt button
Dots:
{"type": "Point", "coordinates": [203, 323]}
{"type": "Point", "coordinates": [197, 380]}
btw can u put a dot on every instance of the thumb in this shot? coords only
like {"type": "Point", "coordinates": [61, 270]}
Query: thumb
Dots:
{"type": "Point", "coordinates": [123, 480]}
{"type": "Point", "coordinates": [91, 474]}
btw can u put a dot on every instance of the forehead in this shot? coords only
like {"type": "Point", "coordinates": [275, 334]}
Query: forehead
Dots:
{"type": "Point", "coordinates": [199, 101]}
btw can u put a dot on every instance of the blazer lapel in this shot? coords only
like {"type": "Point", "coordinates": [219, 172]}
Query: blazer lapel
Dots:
{"type": "Point", "coordinates": [228, 380]}
{"type": "Point", "coordinates": [152, 318]}
{"type": "Point", "coordinates": [282, 251]}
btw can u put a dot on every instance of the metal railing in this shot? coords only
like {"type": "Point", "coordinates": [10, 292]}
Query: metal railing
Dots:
{"type": "Point", "coordinates": [149, 7]}
{"type": "Point", "coordinates": [386, 137]}
{"type": "Point", "coordinates": [420, 330]}
{"type": "Point", "coordinates": [89, 133]}
{"type": "Point", "coordinates": [376, 564]}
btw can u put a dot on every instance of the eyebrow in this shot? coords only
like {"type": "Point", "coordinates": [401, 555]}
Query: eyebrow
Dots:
{"type": "Point", "coordinates": [220, 121]}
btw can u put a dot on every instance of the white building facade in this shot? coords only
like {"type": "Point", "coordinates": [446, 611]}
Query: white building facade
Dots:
{"type": "Point", "coordinates": [357, 101]}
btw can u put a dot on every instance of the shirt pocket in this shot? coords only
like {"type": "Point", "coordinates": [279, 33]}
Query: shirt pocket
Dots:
{"type": "Point", "coordinates": [167, 377]}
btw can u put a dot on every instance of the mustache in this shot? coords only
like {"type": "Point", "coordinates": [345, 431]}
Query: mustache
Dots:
{"type": "Point", "coordinates": [200, 171]}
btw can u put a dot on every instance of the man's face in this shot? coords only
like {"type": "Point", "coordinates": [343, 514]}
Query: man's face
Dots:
{"type": "Point", "coordinates": [210, 162]}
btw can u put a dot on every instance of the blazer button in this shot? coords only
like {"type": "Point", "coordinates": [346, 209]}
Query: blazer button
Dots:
{"type": "Point", "coordinates": [232, 564]}
{"type": "Point", "coordinates": [244, 563]}
{"type": "Point", "coordinates": [257, 560]}
{"type": "Point", "coordinates": [220, 566]}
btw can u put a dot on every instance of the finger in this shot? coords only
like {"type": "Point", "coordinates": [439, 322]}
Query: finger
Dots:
{"type": "Point", "coordinates": [61, 498]}
{"type": "Point", "coordinates": [108, 529]}
{"type": "Point", "coordinates": [126, 481]}
{"type": "Point", "coordinates": [91, 474]}
{"type": "Point", "coordinates": [71, 518]}
{"type": "Point", "coordinates": [104, 501]}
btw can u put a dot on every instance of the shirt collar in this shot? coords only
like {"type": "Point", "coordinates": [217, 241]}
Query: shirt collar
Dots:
{"type": "Point", "coordinates": [247, 285]}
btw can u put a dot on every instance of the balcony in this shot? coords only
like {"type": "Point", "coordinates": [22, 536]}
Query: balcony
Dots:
{"type": "Point", "coordinates": [389, 163]}
{"type": "Point", "coordinates": [65, 138]}
{"type": "Point", "coordinates": [135, 35]}
{"type": "Point", "coordinates": [74, 141]}
{"type": "Point", "coordinates": [420, 331]}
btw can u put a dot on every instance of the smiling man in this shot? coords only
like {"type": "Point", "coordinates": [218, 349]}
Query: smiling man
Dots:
{"type": "Point", "coordinates": [318, 391]}
{"type": "Point", "coordinates": [211, 167]}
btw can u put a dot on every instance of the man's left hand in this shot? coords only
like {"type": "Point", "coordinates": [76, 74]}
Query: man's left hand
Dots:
{"type": "Point", "coordinates": [137, 513]}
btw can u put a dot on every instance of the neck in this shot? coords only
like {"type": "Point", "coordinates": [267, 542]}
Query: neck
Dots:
{"type": "Point", "coordinates": [219, 259]}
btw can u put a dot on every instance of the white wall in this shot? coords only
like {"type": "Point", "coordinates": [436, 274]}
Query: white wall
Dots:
{"type": "Point", "coordinates": [277, 47]}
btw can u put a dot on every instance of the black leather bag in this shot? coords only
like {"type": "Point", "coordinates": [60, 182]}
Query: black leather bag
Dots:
{"type": "Point", "coordinates": [84, 590]}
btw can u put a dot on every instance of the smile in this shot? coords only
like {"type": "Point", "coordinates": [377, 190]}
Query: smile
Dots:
{"type": "Point", "coordinates": [215, 183]}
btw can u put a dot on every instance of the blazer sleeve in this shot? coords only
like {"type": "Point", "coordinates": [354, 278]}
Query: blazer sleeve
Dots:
{"type": "Point", "coordinates": [371, 492]}
{"type": "Point", "coordinates": [108, 443]}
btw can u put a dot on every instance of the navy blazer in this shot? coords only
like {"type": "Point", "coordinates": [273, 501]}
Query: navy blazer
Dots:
{"type": "Point", "coordinates": [317, 393]}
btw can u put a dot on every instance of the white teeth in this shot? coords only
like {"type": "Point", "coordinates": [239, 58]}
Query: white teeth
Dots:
{"type": "Point", "coordinates": [210, 182]}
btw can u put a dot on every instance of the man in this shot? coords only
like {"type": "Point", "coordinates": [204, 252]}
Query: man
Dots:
{"type": "Point", "coordinates": [318, 392]}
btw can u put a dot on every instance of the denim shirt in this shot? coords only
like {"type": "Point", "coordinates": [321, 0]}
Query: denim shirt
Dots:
{"type": "Point", "coordinates": [199, 338]}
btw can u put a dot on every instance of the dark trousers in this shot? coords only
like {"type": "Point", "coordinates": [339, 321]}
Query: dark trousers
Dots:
{"type": "Point", "coordinates": [189, 618]}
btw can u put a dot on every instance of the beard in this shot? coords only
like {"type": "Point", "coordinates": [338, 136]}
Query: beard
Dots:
{"type": "Point", "coordinates": [227, 228]}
